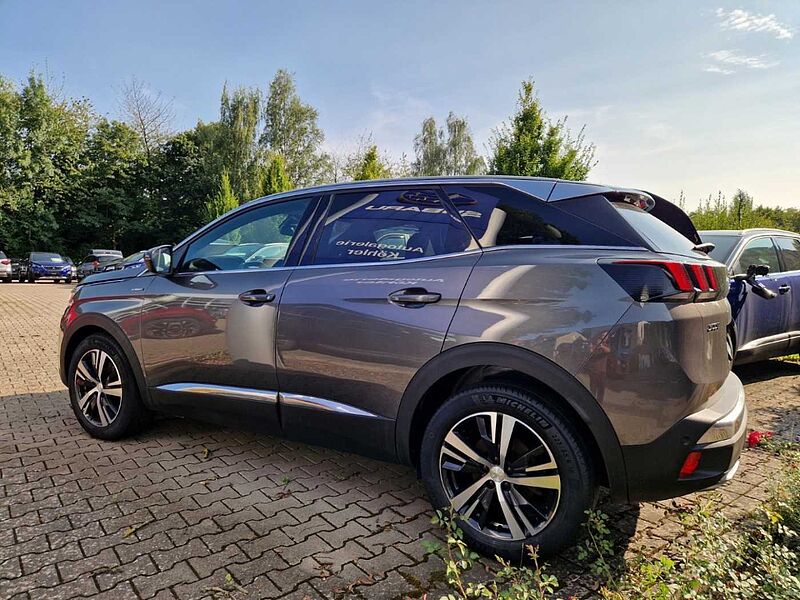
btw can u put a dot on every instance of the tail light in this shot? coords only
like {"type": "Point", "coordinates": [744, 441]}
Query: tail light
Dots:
{"type": "Point", "coordinates": [667, 281]}
{"type": "Point", "coordinates": [5, 261]}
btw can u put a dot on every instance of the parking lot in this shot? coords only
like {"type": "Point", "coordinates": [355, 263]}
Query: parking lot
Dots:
{"type": "Point", "coordinates": [188, 510]}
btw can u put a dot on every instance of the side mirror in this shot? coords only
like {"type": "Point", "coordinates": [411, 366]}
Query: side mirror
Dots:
{"type": "Point", "coordinates": [752, 271]}
{"type": "Point", "coordinates": [158, 260]}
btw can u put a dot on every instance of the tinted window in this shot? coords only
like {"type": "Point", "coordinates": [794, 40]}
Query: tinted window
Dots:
{"type": "Point", "coordinates": [256, 239]}
{"type": "Point", "coordinates": [790, 252]}
{"type": "Point", "coordinates": [498, 216]}
{"type": "Point", "coordinates": [388, 225]}
{"type": "Point", "coordinates": [46, 257]}
{"type": "Point", "coordinates": [760, 251]}
{"type": "Point", "coordinates": [723, 245]}
{"type": "Point", "coordinates": [661, 236]}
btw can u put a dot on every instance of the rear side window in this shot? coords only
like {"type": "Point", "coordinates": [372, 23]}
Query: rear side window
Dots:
{"type": "Point", "coordinates": [499, 216]}
{"type": "Point", "coordinates": [760, 251]}
{"type": "Point", "coordinates": [723, 245]}
{"type": "Point", "coordinates": [790, 252]}
{"type": "Point", "coordinates": [389, 225]}
{"type": "Point", "coordinates": [661, 236]}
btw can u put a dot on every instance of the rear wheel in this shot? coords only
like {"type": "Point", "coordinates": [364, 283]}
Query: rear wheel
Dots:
{"type": "Point", "coordinates": [103, 392]}
{"type": "Point", "coordinates": [516, 472]}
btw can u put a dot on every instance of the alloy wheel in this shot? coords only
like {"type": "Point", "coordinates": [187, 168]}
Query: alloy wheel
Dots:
{"type": "Point", "coordinates": [98, 386]}
{"type": "Point", "coordinates": [500, 476]}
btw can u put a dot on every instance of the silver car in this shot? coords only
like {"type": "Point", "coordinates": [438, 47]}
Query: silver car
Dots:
{"type": "Point", "coordinates": [520, 342]}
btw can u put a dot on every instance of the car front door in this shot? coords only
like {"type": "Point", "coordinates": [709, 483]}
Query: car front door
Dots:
{"type": "Point", "coordinates": [207, 330]}
{"type": "Point", "coordinates": [761, 323]}
{"type": "Point", "coordinates": [789, 285]}
{"type": "Point", "coordinates": [371, 304]}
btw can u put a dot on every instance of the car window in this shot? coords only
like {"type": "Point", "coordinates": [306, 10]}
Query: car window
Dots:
{"type": "Point", "coordinates": [389, 225]}
{"type": "Point", "coordinates": [2, 255]}
{"type": "Point", "coordinates": [790, 252]}
{"type": "Point", "coordinates": [760, 251]}
{"type": "Point", "coordinates": [499, 216]}
{"type": "Point", "coordinates": [723, 245]}
{"type": "Point", "coordinates": [230, 245]}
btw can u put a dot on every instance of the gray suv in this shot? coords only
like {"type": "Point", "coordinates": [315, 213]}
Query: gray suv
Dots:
{"type": "Point", "coordinates": [521, 342]}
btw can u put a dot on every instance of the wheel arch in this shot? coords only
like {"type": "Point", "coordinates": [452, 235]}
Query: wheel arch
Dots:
{"type": "Point", "coordinates": [89, 324]}
{"type": "Point", "coordinates": [445, 372]}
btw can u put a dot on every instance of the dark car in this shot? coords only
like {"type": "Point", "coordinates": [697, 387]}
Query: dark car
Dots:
{"type": "Point", "coordinates": [38, 266]}
{"type": "Point", "coordinates": [764, 267]}
{"type": "Point", "coordinates": [6, 271]}
{"type": "Point", "coordinates": [15, 262]}
{"type": "Point", "coordinates": [132, 261]}
{"type": "Point", "coordinates": [95, 263]}
{"type": "Point", "coordinates": [521, 342]}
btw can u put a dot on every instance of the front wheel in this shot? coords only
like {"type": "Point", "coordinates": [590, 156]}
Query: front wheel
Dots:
{"type": "Point", "coordinates": [69, 280]}
{"type": "Point", "coordinates": [102, 389]}
{"type": "Point", "coordinates": [515, 471]}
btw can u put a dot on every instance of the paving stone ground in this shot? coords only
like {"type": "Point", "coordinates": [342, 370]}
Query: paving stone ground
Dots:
{"type": "Point", "coordinates": [188, 510]}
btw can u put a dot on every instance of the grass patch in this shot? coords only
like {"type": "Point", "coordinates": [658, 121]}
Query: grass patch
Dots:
{"type": "Point", "coordinates": [714, 559]}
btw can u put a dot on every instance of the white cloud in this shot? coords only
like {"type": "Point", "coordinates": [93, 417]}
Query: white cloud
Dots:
{"type": "Point", "coordinates": [742, 20]}
{"type": "Point", "coordinates": [731, 57]}
{"type": "Point", "coordinates": [720, 70]}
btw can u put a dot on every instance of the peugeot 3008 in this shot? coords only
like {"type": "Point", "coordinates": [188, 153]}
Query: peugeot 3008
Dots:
{"type": "Point", "coordinates": [520, 341]}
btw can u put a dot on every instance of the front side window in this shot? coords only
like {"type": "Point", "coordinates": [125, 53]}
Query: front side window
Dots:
{"type": "Point", "coordinates": [499, 216]}
{"type": "Point", "coordinates": [760, 251]}
{"type": "Point", "coordinates": [790, 252]}
{"type": "Point", "coordinates": [256, 239]}
{"type": "Point", "coordinates": [389, 225]}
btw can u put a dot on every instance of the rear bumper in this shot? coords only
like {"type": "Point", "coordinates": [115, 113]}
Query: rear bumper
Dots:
{"type": "Point", "coordinates": [718, 432]}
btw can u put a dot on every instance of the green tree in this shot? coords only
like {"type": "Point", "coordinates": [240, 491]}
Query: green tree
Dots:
{"type": "Point", "coordinates": [371, 166]}
{"type": "Point", "coordinates": [223, 201]}
{"type": "Point", "coordinates": [452, 153]}
{"type": "Point", "coordinates": [275, 178]}
{"type": "Point", "coordinates": [534, 145]}
{"type": "Point", "coordinates": [291, 130]}
{"type": "Point", "coordinates": [237, 140]}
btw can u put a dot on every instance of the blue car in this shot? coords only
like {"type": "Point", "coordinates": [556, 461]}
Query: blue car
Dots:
{"type": "Point", "coordinates": [764, 265]}
{"type": "Point", "coordinates": [45, 265]}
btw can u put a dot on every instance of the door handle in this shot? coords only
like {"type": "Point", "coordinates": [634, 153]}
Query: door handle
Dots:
{"type": "Point", "coordinates": [414, 296]}
{"type": "Point", "coordinates": [256, 297]}
{"type": "Point", "coordinates": [785, 288]}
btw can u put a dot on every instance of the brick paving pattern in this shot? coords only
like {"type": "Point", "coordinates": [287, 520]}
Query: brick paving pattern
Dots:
{"type": "Point", "coordinates": [188, 510]}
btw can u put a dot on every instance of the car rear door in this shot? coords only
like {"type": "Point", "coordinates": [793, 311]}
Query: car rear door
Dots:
{"type": "Point", "coordinates": [789, 285]}
{"type": "Point", "coordinates": [207, 331]}
{"type": "Point", "coordinates": [370, 304]}
{"type": "Point", "coordinates": [762, 323]}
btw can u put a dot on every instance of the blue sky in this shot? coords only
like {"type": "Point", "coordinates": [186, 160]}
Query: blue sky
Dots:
{"type": "Point", "coordinates": [693, 96]}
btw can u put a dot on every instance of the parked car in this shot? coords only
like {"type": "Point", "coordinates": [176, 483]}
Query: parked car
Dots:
{"type": "Point", "coordinates": [15, 269]}
{"type": "Point", "coordinates": [132, 261]}
{"type": "Point", "coordinates": [44, 265]}
{"type": "Point", "coordinates": [72, 267]}
{"type": "Point", "coordinates": [764, 267]}
{"type": "Point", "coordinates": [95, 263]}
{"type": "Point", "coordinates": [519, 341]}
{"type": "Point", "coordinates": [101, 252]}
{"type": "Point", "coordinates": [5, 268]}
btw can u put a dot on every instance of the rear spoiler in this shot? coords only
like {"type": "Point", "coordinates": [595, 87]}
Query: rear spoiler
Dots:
{"type": "Point", "coordinates": [661, 208]}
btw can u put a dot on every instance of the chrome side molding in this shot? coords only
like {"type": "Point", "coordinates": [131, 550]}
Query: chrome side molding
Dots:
{"type": "Point", "coordinates": [269, 396]}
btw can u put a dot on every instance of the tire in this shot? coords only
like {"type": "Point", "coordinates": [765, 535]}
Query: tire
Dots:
{"type": "Point", "coordinates": [123, 413]}
{"type": "Point", "coordinates": [56, 281]}
{"type": "Point", "coordinates": [730, 342]}
{"type": "Point", "coordinates": [69, 280]}
{"type": "Point", "coordinates": [552, 510]}
{"type": "Point", "coordinates": [31, 279]}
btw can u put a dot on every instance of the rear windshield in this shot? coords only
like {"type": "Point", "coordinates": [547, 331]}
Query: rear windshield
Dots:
{"type": "Point", "coordinates": [723, 245]}
{"type": "Point", "coordinates": [661, 236]}
{"type": "Point", "coordinates": [46, 257]}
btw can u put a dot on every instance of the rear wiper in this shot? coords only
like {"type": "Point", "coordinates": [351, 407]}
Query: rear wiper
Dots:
{"type": "Point", "coordinates": [706, 247]}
